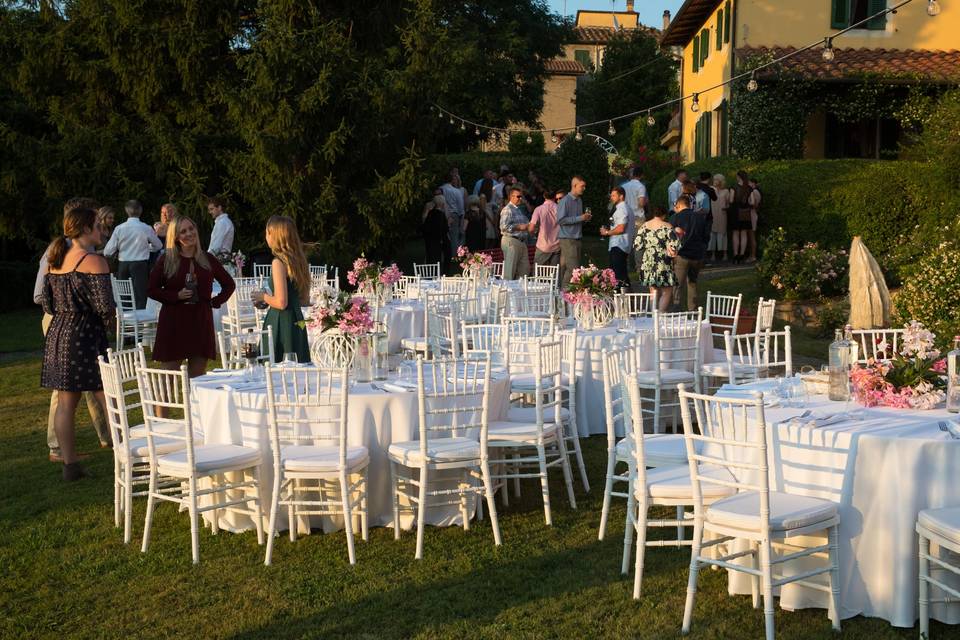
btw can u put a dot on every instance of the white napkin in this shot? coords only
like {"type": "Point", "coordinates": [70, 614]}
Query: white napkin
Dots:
{"type": "Point", "coordinates": [400, 386]}
{"type": "Point", "coordinates": [826, 420]}
{"type": "Point", "coordinates": [242, 386]}
{"type": "Point", "coordinates": [953, 428]}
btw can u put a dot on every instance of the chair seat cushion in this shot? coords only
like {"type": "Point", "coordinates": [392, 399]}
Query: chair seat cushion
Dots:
{"type": "Point", "coordinates": [673, 483]}
{"type": "Point", "coordinates": [209, 458]}
{"type": "Point", "coordinates": [438, 450]}
{"type": "Point", "coordinates": [660, 450]}
{"type": "Point", "coordinates": [517, 431]}
{"type": "Point", "coordinates": [943, 522]}
{"type": "Point", "coordinates": [529, 414]}
{"type": "Point", "coordinates": [321, 459]}
{"type": "Point", "coordinates": [414, 344]}
{"type": "Point", "coordinates": [140, 315]}
{"type": "Point", "coordinates": [524, 381]}
{"type": "Point", "coordinates": [721, 369]}
{"type": "Point", "coordinates": [140, 449]}
{"type": "Point", "coordinates": [667, 376]}
{"type": "Point", "coordinates": [787, 511]}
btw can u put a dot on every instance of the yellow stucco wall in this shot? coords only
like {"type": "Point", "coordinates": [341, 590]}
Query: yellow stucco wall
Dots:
{"type": "Point", "coordinates": [559, 110]}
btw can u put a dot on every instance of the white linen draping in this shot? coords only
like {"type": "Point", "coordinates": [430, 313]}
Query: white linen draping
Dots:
{"type": "Point", "coordinates": [228, 412]}
{"type": "Point", "coordinates": [881, 470]}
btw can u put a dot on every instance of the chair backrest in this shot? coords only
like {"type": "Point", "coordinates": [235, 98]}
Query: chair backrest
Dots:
{"type": "Point", "coordinates": [115, 405]}
{"type": "Point", "coordinates": [744, 354]}
{"type": "Point", "coordinates": [496, 270]}
{"type": "Point", "coordinates": [427, 271]}
{"type": "Point", "coordinates": [548, 382]}
{"type": "Point", "coordinates": [453, 399]}
{"type": "Point", "coordinates": [307, 406]}
{"type": "Point", "coordinates": [123, 294]}
{"type": "Point", "coordinates": [232, 347]}
{"type": "Point", "coordinates": [878, 344]}
{"type": "Point", "coordinates": [723, 313]}
{"type": "Point", "coordinates": [765, 314]}
{"type": "Point", "coordinates": [318, 271]}
{"type": "Point", "coordinates": [497, 303]}
{"type": "Point", "coordinates": [457, 284]}
{"type": "Point", "coordinates": [547, 271]}
{"type": "Point", "coordinates": [167, 391]}
{"type": "Point", "coordinates": [263, 270]}
{"type": "Point", "coordinates": [482, 340]}
{"type": "Point", "coordinates": [126, 362]}
{"type": "Point", "coordinates": [536, 303]}
{"type": "Point", "coordinates": [520, 337]}
{"type": "Point", "coordinates": [536, 284]}
{"type": "Point", "coordinates": [726, 433]}
{"type": "Point", "coordinates": [240, 309]}
{"type": "Point", "coordinates": [442, 324]}
{"type": "Point", "coordinates": [776, 351]}
{"type": "Point", "coordinates": [634, 305]}
{"type": "Point", "coordinates": [569, 361]}
{"type": "Point", "coordinates": [401, 288]}
{"type": "Point", "coordinates": [616, 363]}
{"type": "Point", "coordinates": [676, 342]}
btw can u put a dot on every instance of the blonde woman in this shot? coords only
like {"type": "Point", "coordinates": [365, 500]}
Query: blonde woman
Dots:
{"type": "Point", "coordinates": [182, 281]}
{"type": "Point", "coordinates": [718, 233]}
{"type": "Point", "coordinates": [291, 285]}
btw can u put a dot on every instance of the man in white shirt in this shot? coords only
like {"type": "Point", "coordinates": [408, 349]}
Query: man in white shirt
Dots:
{"type": "Point", "coordinates": [619, 234]}
{"type": "Point", "coordinates": [456, 198]}
{"type": "Point", "coordinates": [221, 238]}
{"type": "Point", "coordinates": [636, 200]}
{"type": "Point", "coordinates": [676, 188]}
{"type": "Point", "coordinates": [132, 242]}
{"type": "Point", "coordinates": [488, 174]}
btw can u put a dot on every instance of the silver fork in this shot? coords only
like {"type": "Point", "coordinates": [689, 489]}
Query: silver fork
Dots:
{"type": "Point", "coordinates": [803, 415]}
{"type": "Point", "coordinates": [943, 427]}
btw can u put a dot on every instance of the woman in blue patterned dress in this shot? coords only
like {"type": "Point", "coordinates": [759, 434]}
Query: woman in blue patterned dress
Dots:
{"type": "Point", "coordinates": [656, 246]}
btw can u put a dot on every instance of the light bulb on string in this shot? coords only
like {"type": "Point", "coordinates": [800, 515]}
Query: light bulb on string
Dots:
{"type": "Point", "coordinates": [610, 130]}
{"type": "Point", "coordinates": [752, 82]}
{"type": "Point", "coordinates": [476, 132]}
{"type": "Point", "coordinates": [579, 135]}
{"type": "Point", "coordinates": [451, 120]}
{"type": "Point", "coordinates": [529, 138]}
{"type": "Point", "coordinates": [440, 113]}
{"type": "Point", "coordinates": [463, 126]}
{"type": "Point", "coordinates": [695, 105]}
{"type": "Point", "coordinates": [553, 137]}
{"type": "Point", "coordinates": [933, 8]}
{"type": "Point", "coordinates": [828, 53]}
{"type": "Point", "coordinates": [650, 119]}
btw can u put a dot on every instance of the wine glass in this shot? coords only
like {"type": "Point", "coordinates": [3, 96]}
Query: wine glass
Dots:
{"type": "Point", "coordinates": [290, 358]}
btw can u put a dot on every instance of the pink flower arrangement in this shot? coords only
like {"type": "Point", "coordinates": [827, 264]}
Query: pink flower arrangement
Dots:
{"type": "Point", "coordinates": [340, 311]}
{"type": "Point", "coordinates": [468, 260]}
{"type": "Point", "coordinates": [364, 271]}
{"type": "Point", "coordinates": [591, 286]}
{"type": "Point", "coordinates": [910, 380]}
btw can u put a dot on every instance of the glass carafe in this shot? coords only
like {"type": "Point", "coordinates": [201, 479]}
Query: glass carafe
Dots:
{"type": "Point", "coordinates": [953, 377]}
{"type": "Point", "coordinates": [839, 368]}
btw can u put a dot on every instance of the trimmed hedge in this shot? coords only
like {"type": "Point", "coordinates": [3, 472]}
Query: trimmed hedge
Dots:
{"type": "Point", "coordinates": [830, 201]}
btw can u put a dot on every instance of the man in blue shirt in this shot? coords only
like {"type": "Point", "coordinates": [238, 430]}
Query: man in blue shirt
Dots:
{"type": "Point", "coordinates": [676, 187]}
{"type": "Point", "coordinates": [619, 234]}
{"type": "Point", "coordinates": [570, 219]}
{"type": "Point", "coordinates": [694, 231]}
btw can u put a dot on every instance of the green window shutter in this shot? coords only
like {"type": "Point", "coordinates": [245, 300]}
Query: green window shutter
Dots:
{"type": "Point", "coordinates": [726, 22]}
{"type": "Point", "coordinates": [724, 125]}
{"type": "Point", "coordinates": [696, 54]}
{"type": "Point", "coordinates": [719, 29]}
{"type": "Point", "coordinates": [583, 57]}
{"type": "Point", "coordinates": [840, 14]}
{"type": "Point", "coordinates": [879, 23]}
{"type": "Point", "coordinates": [698, 141]}
{"type": "Point", "coordinates": [709, 135]}
{"type": "Point", "coordinates": [705, 45]}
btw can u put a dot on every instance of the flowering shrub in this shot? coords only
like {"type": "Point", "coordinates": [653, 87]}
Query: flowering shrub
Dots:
{"type": "Point", "coordinates": [367, 272]}
{"type": "Point", "coordinates": [805, 273]}
{"type": "Point", "coordinates": [332, 310]}
{"type": "Point", "coordinates": [236, 258]}
{"type": "Point", "coordinates": [469, 260]}
{"type": "Point", "coordinates": [910, 380]}
{"type": "Point", "coordinates": [590, 286]}
{"type": "Point", "coordinates": [931, 291]}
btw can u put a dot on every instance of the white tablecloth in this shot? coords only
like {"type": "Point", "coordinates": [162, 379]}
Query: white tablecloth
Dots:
{"type": "Point", "coordinates": [375, 420]}
{"type": "Point", "coordinates": [882, 471]}
{"type": "Point", "coordinates": [591, 411]}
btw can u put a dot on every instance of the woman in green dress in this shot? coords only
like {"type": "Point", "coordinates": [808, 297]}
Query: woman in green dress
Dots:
{"type": "Point", "coordinates": [291, 285]}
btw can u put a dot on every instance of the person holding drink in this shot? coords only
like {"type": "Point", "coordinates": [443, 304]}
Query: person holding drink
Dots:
{"type": "Point", "coordinates": [182, 281]}
{"type": "Point", "coordinates": [291, 284]}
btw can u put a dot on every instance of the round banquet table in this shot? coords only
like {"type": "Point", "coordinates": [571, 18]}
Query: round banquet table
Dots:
{"type": "Point", "coordinates": [591, 410]}
{"type": "Point", "coordinates": [882, 466]}
{"type": "Point", "coordinates": [227, 410]}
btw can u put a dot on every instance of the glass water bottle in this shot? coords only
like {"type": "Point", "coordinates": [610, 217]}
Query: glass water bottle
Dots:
{"type": "Point", "coordinates": [839, 368]}
{"type": "Point", "coordinates": [953, 377]}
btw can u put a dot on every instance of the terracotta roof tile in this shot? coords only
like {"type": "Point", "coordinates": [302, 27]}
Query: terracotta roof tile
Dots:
{"type": "Point", "coordinates": [931, 65]}
{"type": "Point", "coordinates": [562, 67]}
{"type": "Point", "coordinates": [603, 35]}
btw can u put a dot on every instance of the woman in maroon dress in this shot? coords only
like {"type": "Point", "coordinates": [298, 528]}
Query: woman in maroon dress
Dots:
{"type": "Point", "coordinates": [182, 281]}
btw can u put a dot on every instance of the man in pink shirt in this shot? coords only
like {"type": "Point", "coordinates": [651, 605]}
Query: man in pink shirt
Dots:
{"type": "Point", "coordinates": [545, 219]}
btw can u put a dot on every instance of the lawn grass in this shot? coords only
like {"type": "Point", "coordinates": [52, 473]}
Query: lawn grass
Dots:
{"type": "Point", "coordinates": [67, 574]}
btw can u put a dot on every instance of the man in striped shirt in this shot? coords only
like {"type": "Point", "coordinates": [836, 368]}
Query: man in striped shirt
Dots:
{"type": "Point", "coordinates": [514, 226]}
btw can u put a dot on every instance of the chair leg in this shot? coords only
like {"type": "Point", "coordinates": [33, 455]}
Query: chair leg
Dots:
{"type": "Point", "coordinates": [347, 515]}
{"type": "Point", "coordinates": [292, 486]}
{"type": "Point", "coordinates": [544, 484]}
{"type": "Point", "coordinates": [924, 597]}
{"type": "Point", "coordinates": [127, 504]}
{"type": "Point", "coordinates": [272, 526]}
{"type": "Point", "coordinates": [755, 580]}
{"type": "Point", "coordinates": [834, 610]}
{"type": "Point", "coordinates": [516, 477]}
{"type": "Point", "coordinates": [656, 410]}
{"type": "Point", "coordinates": [364, 520]}
{"type": "Point", "coordinates": [215, 522]}
{"type": "Point", "coordinates": [395, 491]}
{"type": "Point", "coordinates": [631, 517]}
{"type": "Point", "coordinates": [421, 512]}
{"type": "Point", "coordinates": [194, 521]}
{"type": "Point", "coordinates": [464, 485]}
{"type": "Point", "coordinates": [258, 501]}
{"type": "Point", "coordinates": [575, 438]}
{"type": "Point", "coordinates": [767, 576]}
{"type": "Point", "coordinates": [567, 471]}
{"type": "Point", "coordinates": [491, 501]}
{"type": "Point", "coordinates": [680, 536]}
{"type": "Point", "coordinates": [641, 527]}
{"type": "Point", "coordinates": [607, 490]}
{"type": "Point", "coordinates": [148, 521]}
{"type": "Point", "coordinates": [692, 578]}
{"type": "Point", "coordinates": [117, 491]}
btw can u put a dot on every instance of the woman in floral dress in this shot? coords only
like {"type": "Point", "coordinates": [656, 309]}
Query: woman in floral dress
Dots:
{"type": "Point", "coordinates": [656, 246]}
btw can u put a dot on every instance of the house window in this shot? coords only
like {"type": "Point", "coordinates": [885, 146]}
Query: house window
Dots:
{"type": "Point", "coordinates": [703, 137]}
{"type": "Point", "coordinates": [726, 22]}
{"type": "Point", "coordinates": [844, 13]}
{"type": "Point", "coordinates": [723, 126]}
{"type": "Point", "coordinates": [719, 29]}
{"type": "Point", "coordinates": [583, 57]}
{"type": "Point", "coordinates": [704, 45]}
{"type": "Point", "coordinates": [696, 54]}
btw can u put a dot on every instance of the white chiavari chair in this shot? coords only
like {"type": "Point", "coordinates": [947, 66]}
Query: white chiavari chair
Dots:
{"type": "Point", "coordinates": [165, 398]}
{"type": "Point", "coordinates": [676, 344]}
{"type": "Point", "coordinates": [731, 436]}
{"type": "Point", "coordinates": [942, 527]}
{"type": "Point", "coordinates": [665, 486]}
{"type": "Point", "coordinates": [479, 341]}
{"type": "Point", "coordinates": [520, 337]}
{"type": "Point", "coordinates": [427, 271]}
{"type": "Point", "coordinates": [742, 361]}
{"type": "Point", "coordinates": [442, 335]}
{"type": "Point", "coordinates": [530, 449]}
{"type": "Point", "coordinates": [430, 299]}
{"type": "Point", "coordinates": [131, 459]}
{"type": "Point", "coordinates": [877, 344]}
{"type": "Point", "coordinates": [405, 286]}
{"type": "Point", "coordinates": [263, 271]}
{"type": "Point", "coordinates": [766, 309]}
{"type": "Point", "coordinates": [140, 325]}
{"type": "Point", "coordinates": [496, 270]}
{"type": "Point", "coordinates": [549, 271]}
{"type": "Point", "coordinates": [231, 347]}
{"type": "Point", "coordinates": [634, 305]}
{"type": "Point", "coordinates": [307, 409]}
{"type": "Point", "coordinates": [536, 284]}
{"type": "Point", "coordinates": [457, 284]}
{"type": "Point", "coordinates": [453, 399]}
{"type": "Point", "coordinates": [535, 303]}
{"type": "Point", "coordinates": [776, 352]}
{"type": "Point", "coordinates": [241, 313]}
{"type": "Point", "coordinates": [497, 303]}
{"type": "Point", "coordinates": [318, 270]}
{"type": "Point", "coordinates": [568, 378]}
{"type": "Point", "coordinates": [723, 313]}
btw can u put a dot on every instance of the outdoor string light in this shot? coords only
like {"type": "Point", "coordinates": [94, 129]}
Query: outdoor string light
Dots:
{"type": "Point", "coordinates": [610, 130]}
{"type": "Point", "coordinates": [752, 83]}
{"type": "Point", "coordinates": [553, 137]}
{"type": "Point", "coordinates": [695, 106]}
{"type": "Point", "coordinates": [529, 138]}
{"type": "Point", "coordinates": [650, 119]}
{"type": "Point", "coordinates": [579, 135]}
{"type": "Point", "coordinates": [828, 54]}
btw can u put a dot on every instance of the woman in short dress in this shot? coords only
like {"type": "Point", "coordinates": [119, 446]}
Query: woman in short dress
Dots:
{"type": "Point", "coordinates": [77, 293]}
{"type": "Point", "coordinates": [656, 246]}
{"type": "Point", "coordinates": [182, 281]}
{"type": "Point", "coordinates": [291, 284]}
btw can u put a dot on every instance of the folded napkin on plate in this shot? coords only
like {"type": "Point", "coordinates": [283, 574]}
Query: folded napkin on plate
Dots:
{"type": "Point", "coordinates": [953, 429]}
{"type": "Point", "coordinates": [826, 420]}
{"type": "Point", "coordinates": [242, 386]}
{"type": "Point", "coordinates": [399, 386]}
